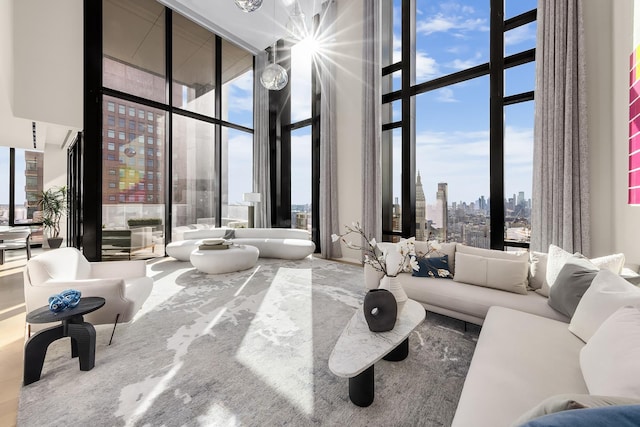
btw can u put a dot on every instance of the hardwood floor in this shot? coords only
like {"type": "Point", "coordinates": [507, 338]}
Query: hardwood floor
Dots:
{"type": "Point", "coordinates": [12, 314]}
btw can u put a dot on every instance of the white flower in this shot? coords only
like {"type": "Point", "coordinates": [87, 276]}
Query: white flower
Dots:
{"type": "Point", "coordinates": [351, 245]}
{"type": "Point", "coordinates": [373, 242]}
{"type": "Point", "coordinates": [413, 262]}
{"type": "Point", "coordinates": [334, 237]}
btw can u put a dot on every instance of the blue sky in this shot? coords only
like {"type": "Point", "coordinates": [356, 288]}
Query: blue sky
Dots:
{"type": "Point", "coordinates": [452, 123]}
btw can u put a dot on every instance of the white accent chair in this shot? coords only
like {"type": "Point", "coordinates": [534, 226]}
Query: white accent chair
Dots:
{"type": "Point", "coordinates": [123, 284]}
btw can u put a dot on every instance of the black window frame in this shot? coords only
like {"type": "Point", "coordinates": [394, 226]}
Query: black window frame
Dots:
{"type": "Point", "coordinates": [495, 68]}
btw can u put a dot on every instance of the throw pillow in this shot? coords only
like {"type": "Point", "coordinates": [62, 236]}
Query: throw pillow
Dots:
{"type": "Point", "coordinates": [617, 415]}
{"type": "Point", "coordinates": [613, 263]}
{"type": "Point", "coordinates": [563, 402]}
{"type": "Point", "coordinates": [504, 274]}
{"type": "Point", "coordinates": [434, 267]}
{"type": "Point", "coordinates": [434, 248]}
{"type": "Point", "coordinates": [538, 269]}
{"type": "Point", "coordinates": [557, 257]}
{"type": "Point", "coordinates": [607, 293]}
{"type": "Point", "coordinates": [609, 361]}
{"type": "Point", "coordinates": [572, 282]}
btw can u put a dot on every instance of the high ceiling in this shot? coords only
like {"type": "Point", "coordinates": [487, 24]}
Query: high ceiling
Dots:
{"type": "Point", "coordinates": [253, 31]}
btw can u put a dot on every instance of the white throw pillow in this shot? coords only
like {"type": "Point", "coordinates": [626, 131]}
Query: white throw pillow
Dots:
{"type": "Point", "coordinates": [503, 274]}
{"type": "Point", "coordinates": [613, 263]}
{"type": "Point", "coordinates": [609, 361]}
{"type": "Point", "coordinates": [538, 269]}
{"type": "Point", "coordinates": [607, 293]}
{"type": "Point", "coordinates": [557, 258]}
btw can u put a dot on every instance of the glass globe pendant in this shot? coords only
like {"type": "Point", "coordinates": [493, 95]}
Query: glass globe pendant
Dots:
{"type": "Point", "coordinates": [274, 77]}
{"type": "Point", "coordinates": [249, 5]}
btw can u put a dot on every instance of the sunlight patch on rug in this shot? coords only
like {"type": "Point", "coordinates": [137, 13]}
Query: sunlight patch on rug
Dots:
{"type": "Point", "coordinates": [278, 346]}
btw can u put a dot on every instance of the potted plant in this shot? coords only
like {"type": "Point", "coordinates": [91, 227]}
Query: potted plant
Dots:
{"type": "Point", "coordinates": [53, 203]}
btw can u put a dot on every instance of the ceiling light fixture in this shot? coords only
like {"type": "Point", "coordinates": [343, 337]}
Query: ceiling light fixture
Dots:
{"type": "Point", "coordinates": [33, 131]}
{"type": "Point", "coordinates": [296, 25]}
{"type": "Point", "coordinates": [248, 5]}
{"type": "Point", "coordinates": [274, 77]}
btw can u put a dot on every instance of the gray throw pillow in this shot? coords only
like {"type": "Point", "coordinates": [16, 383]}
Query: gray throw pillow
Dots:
{"type": "Point", "coordinates": [572, 282]}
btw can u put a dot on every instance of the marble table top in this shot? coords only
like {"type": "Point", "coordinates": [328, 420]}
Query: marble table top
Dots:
{"type": "Point", "coordinates": [358, 348]}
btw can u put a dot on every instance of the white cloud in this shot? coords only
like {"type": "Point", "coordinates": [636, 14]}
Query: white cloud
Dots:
{"type": "Point", "coordinates": [445, 95]}
{"type": "Point", "coordinates": [519, 35]}
{"type": "Point", "coordinates": [426, 66]}
{"type": "Point", "coordinates": [442, 23]}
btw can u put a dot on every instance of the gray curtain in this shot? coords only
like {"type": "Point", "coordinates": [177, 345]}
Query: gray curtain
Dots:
{"type": "Point", "coordinates": [560, 202]}
{"type": "Point", "coordinates": [329, 221]}
{"type": "Point", "coordinates": [371, 122]}
{"type": "Point", "coordinates": [261, 179]}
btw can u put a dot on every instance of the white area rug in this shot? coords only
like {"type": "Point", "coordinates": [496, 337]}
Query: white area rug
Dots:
{"type": "Point", "coordinates": [247, 349]}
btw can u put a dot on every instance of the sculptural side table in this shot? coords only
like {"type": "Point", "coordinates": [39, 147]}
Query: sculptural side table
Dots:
{"type": "Point", "coordinates": [82, 334]}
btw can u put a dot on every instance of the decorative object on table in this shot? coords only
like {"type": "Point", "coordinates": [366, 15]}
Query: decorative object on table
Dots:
{"type": "Point", "coordinates": [214, 244]}
{"type": "Point", "coordinates": [65, 300]}
{"type": "Point", "coordinates": [390, 263]}
{"type": "Point", "coordinates": [53, 203]}
{"type": "Point", "coordinates": [380, 310]}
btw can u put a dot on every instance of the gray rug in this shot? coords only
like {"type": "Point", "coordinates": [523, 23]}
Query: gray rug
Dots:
{"type": "Point", "coordinates": [247, 349]}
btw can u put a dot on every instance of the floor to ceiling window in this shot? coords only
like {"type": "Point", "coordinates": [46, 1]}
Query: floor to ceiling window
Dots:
{"type": "Point", "coordinates": [458, 132]}
{"type": "Point", "coordinates": [171, 154]}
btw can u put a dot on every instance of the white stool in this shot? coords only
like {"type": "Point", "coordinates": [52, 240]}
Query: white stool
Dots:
{"type": "Point", "coordinates": [235, 258]}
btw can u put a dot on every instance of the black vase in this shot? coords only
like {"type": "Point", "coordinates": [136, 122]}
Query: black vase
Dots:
{"type": "Point", "coordinates": [380, 310]}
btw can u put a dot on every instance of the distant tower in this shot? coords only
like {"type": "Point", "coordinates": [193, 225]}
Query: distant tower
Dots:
{"type": "Point", "coordinates": [421, 211]}
{"type": "Point", "coordinates": [442, 200]}
{"type": "Point", "coordinates": [520, 198]}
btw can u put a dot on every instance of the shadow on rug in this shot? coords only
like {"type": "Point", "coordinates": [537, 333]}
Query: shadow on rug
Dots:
{"type": "Point", "coordinates": [247, 349]}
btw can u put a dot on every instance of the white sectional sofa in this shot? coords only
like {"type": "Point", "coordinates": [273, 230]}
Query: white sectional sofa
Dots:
{"type": "Point", "coordinates": [527, 362]}
{"type": "Point", "coordinates": [285, 243]}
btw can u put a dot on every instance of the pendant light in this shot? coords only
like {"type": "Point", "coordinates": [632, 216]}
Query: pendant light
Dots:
{"type": "Point", "coordinates": [274, 77]}
{"type": "Point", "coordinates": [249, 5]}
{"type": "Point", "coordinates": [296, 24]}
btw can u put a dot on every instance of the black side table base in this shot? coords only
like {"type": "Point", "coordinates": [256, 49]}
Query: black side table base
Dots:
{"type": "Point", "coordinates": [399, 353]}
{"type": "Point", "coordinates": [83, 346]}
{"type": "Point", "coordinates": [361, 388]}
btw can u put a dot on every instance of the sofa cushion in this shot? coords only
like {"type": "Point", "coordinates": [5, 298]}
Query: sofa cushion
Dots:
{"type": "Point", "coordinates": [607, 293]}
{"type": "Point", "coordinates": [471, 300]}
{"type": "Point", "coordinates": [271, 233]}
{"type": "Point", "coordinates": [572, 282]}
{"type": "Point", "coordinates": [564, 402]}
{"type": "Point", "coordinates": [505, 274]}
{"type": "Point", "coordinates": [436, 249]}
{"type": "Point", "coordinates": [492, 253]}
{"type": "Point", "coordinates": [537, 269]}
{"type": "Point", "coordinates": [609, 361]}
{"type": "Point", "coordinates": [433, 267]}
{"type": "Point", "coordinates": [520, 359]}
{"type": "Point", "coordinates": [557, 257]}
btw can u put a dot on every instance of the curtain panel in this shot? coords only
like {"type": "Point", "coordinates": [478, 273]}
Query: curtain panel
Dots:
{"type": "Point", "coordinates": [261, 162]}
{"type": "Point", "coordinates": [560, 203]}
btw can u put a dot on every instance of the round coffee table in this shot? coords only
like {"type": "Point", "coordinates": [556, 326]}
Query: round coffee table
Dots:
{"type": "Point", "coordinates": [83, 336]}
{"type": "Point", "coordinates": [216, 261]}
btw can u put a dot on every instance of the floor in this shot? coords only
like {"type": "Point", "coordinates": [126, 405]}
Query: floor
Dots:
{"type": "Point", "coordinates": [12, 313]}
{"type": "Point", "coordinates": [12, 328]}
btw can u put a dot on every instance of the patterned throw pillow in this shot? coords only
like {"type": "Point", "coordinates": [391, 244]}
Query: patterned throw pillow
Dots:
{"type": "Point", "coordinates": [434, 267]}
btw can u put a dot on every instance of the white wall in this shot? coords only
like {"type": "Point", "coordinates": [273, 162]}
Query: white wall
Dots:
{"type": "Point", "coordinates": [609, 40]}
{"type": "Point", "coordinates": [348, 57]}
{"type": "Point", "coordinates": [48, 61]}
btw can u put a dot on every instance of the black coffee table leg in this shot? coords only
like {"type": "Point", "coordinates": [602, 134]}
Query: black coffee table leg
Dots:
{"type": "Point", "coordinates": [361, 388]}
{"type": "Point", "coordinates": [83, 341]}
{"type": "Point", "coordinates": [35, 351]}
{"type": "Point", "coordinates": [399, 353]}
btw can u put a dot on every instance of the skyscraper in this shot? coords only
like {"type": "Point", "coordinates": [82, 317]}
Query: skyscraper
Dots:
{"type": "Point", "coordinates": [421, 211]}
{"type": "Point", "coordinates": [442, 201]}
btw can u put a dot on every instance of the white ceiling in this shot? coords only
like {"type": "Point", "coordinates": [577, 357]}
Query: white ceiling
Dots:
{"type": "Point", "coordinates": [253, 31]}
